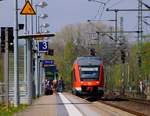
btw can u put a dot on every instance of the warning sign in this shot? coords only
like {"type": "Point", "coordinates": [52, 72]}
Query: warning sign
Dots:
{"type": "Point", "coordinates": [28, 9]}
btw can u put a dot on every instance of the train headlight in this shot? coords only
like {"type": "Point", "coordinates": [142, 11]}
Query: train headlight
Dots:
{"type": "Point", "coordinates": [78, 88]}
{"type": "Point", "coordinates": [97, 82]}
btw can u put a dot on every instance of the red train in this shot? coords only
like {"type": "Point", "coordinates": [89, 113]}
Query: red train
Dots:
{"type": "Point", "coordinates": [87, 76]}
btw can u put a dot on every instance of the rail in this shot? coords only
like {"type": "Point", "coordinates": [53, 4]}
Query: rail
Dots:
{"type": "Point", "coordinates": [132, 94]}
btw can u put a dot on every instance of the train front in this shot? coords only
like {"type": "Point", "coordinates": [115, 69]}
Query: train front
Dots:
{"type": "Point", "coordinates": [89, 76]}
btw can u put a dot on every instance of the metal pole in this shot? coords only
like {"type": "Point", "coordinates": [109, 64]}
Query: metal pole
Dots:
{"type": "Point", "coordinates": [36, 18]}
{"type": "Point", "coordinates": [37, 75]}
{"type": "Point", "coordinates": [116, 29]}
{"type": "Point", "coordinates": [38, 24]}
{"type": "Point", "coordinates": [6, 69]}
{"type": "Point", "coordinates": [132, 10]}
{"type": "Point", "coordinates": [29, 72]}
{"type": "Point", "coordinates": [16, 70]}
{"type": "Point", "coordinates": [25, 52]}
{"type": "Point", "coordinates": [36, 60]}
{"type": "Point", "coordinates": [43, 78]}
{"type": "Point", "coordinates": [36, 71]}
{"type": "Point", "coordinates": [31, 19]}
{"type": "Point", "coordinates": [39, 78]}
{"type": "Point", "coordinates": [29, 67]}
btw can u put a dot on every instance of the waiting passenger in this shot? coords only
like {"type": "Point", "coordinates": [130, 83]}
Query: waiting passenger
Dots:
{"type": "Point", "coordinates": [60, 85]}
{"type": "Point", "coordinates": [48, 87]}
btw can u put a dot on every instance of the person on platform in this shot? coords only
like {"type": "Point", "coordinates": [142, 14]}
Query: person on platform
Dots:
{"type": "Point", "coordinates": [60, 85]}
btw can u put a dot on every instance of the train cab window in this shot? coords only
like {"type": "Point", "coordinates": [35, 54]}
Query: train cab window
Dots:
{"type": "Point", "coordinates": [91, 73]}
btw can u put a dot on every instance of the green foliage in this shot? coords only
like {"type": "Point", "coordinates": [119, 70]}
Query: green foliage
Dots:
{"type": "Point", "coordinates": [117, 75]}
{"type": "Point", "coordinates": [146, 57]}
{"type": "Point", "coordinates": [5, 111]}
{"type": "Point", "coordinates": [69, 57]}
{"type": "Point", "coordinates": [133, 66]}
{"type": "Point", "coordinates": [69, 52]}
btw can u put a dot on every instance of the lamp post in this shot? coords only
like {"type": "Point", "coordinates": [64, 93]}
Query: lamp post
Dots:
{"type": "Point", "coordinates": [16, 70]}
{"type": "Point", "coordinates": [37, 71]}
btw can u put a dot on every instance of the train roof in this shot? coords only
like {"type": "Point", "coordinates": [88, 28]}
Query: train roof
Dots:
{"type": "Point", "coordinates": [88, 60]}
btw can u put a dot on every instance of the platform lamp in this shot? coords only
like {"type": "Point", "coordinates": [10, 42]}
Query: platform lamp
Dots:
{"type": "Point", "coordinates": [42, 16]}
{"type": "Point", "coordinates": [40, 5]}
{"type": "Point", "coordinates": [44, 25]}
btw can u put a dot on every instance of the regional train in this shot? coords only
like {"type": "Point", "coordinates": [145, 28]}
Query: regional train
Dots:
{"type": "Point", "coordinates": [88, 76]}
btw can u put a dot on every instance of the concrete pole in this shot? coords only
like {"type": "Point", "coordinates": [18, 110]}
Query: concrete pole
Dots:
{"type": "Point", "coordinates": [16, 70]}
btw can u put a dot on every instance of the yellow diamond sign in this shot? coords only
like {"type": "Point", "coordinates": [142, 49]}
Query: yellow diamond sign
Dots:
{"type": "Point", "coordinates": [27, 9]}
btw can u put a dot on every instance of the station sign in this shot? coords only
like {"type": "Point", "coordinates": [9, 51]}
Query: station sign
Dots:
{"type": "Point", "coordinates": [47, 63]}
{"type": "Point", "coordinates": [43, 46]}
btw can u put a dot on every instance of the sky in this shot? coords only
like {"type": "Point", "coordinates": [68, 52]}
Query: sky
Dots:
{"type": "Point", "coordinates": [64, 12]}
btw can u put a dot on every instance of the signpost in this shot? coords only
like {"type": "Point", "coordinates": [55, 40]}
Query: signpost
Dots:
{"type": "Point", "coordinates": [47, 63]}
{"type": "Point", "coordinates": [43, 46]}
{"type": "Point", "coordinates": [28, 9]}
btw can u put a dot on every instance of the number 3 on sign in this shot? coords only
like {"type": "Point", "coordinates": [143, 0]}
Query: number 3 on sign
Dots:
{"type": "Point", "coordinates": [45, 45]}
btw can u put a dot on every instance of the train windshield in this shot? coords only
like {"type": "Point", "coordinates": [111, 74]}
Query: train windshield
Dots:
{"type": "Point", "coordinates": [89, 72]}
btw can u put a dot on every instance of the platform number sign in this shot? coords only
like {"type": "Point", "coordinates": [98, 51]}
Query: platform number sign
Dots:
{"type": "Point", "coordinates": [43, 46]}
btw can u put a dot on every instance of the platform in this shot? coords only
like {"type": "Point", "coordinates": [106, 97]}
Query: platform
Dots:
{"type": "Point", "coordinates": [66, 104]}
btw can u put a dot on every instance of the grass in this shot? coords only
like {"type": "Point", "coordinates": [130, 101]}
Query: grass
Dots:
{"type": "Point", "coordinates": [4, 111]}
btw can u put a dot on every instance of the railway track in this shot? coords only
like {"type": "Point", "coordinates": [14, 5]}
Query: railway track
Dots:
{"type": "Point", "coordinates": [134, 106]}
{"type": "Point", "coordinates": [127, 109]}
{"type": "Point", "coordinates": [138, 107]}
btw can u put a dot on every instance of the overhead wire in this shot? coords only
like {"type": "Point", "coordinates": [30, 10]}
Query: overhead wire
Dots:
{"type": "Point", "coordinates": [102, 11]}
{"type": "Point", "coordinates": [107, 1]}
{"type": "Point", "coordinates": [118, 2]}
{"type": "Point", "coordinates": [101, 14]}
{"type": "Point", "coordinates": [97, 12]}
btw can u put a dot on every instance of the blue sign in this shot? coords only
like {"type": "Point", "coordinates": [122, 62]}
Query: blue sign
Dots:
{"type": "Point", "coordinates": [43, 46]}
{"type": "Point", "coordinates": [48, 63]}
